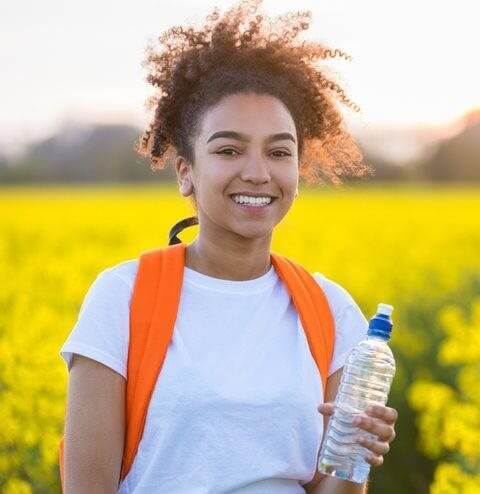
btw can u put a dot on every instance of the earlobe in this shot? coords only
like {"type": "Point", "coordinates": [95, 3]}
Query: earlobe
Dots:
{"type": "Point", "coordinates": [186, 187]}
{"type": "Point", "coordinates": [184, 181]}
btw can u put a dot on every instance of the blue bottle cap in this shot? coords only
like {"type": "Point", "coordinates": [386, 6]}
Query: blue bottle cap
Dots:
{"type": "Point", "coordinates": [381, 324]}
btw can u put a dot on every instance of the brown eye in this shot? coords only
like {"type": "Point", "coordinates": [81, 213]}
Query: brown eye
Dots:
{"type": "Point", "coordinates": [222, 151]}
{"type": "Point", "coordinates": [282, 155]}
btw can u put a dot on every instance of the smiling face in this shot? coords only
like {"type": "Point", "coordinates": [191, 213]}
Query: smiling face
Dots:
{"type": "Point", "coordinates": [247, 143]}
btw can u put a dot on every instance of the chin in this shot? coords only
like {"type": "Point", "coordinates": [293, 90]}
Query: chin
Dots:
{"type": "Point", "coordinates": [253, 233]}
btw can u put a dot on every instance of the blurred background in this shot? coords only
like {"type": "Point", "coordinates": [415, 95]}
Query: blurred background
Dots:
{"type": "Point", "coordinates": [76, 199]}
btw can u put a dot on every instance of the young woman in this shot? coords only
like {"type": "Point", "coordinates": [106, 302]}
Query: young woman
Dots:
{"type": "Point", "coordinates": [242, 112]}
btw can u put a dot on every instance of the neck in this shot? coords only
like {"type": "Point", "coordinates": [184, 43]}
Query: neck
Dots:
{"type": "Point", "coordinates": [227, 259]}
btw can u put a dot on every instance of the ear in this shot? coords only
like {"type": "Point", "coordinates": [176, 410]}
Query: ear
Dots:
{"type": "Point", "coordinates": [183, 171]}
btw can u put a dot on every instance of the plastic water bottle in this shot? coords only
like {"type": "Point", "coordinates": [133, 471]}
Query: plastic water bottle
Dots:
{"type": "Point", "coordinates": [366, 380]}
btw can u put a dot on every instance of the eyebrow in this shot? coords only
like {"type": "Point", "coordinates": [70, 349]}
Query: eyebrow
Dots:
{"type": "Point", "coordinates": [242, 137]}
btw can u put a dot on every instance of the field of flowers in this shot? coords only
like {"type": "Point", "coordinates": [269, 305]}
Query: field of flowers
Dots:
{"type": "Point", "coordinates": [414, 247]}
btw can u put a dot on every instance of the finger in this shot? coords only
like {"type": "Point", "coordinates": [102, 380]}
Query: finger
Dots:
{"type": "Point", "coordinates": [377, 447]}
{"type": "Point", "coordinates": [374, 460]}
{"type": "Point", "coordinates": [387, 414]}
{"type": "Point", "coordinates": [385, 432]}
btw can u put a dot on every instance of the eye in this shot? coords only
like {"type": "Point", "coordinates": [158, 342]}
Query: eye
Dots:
{"type": "Point", "coordinates": [284, 153]}
{"type": "Point", "coordinates": [229, 151]}
{"type": "Point", "coordinates": [222, 151]}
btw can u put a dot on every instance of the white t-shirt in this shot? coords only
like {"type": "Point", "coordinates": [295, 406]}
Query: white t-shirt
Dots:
{"type": "Point", "coordinates": [234, 408]}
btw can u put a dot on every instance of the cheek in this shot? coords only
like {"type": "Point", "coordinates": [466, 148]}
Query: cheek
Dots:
{"type": "Point", "coordinates": [213, 185]}
{"type": "Point", "coordinates": [288, 182]}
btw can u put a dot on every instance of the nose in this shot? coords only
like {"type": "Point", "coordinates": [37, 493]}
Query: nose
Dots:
{"type": "Point", "coordinates": [255, 170]}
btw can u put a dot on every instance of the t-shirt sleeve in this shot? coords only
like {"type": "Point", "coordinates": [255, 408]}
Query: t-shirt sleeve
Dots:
{"type": "Point", "coordinates": [101, 331]}
{"type": "Point", "coordinates": [350, 328]}
{"type": "Point", "coordinates": [351, 325]}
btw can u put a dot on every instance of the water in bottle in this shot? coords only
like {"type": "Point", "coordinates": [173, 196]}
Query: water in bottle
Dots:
{"type": "Point", "coordinates": [366, 380]}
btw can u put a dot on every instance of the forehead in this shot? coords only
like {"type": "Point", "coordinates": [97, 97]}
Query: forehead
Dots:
{"type": "Point", "coordinates": [249, 113]}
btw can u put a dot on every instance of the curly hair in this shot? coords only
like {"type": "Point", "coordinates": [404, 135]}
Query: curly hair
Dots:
{"type": "Point", "coordinates": [245, 51]}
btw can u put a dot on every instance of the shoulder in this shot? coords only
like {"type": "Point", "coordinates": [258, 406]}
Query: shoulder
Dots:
{"type": "Point", "coordinates": [337, 295]}
{"type": "Point", "coordinates": [115, 282]}
{"type": "Point", "coordinates": [123, 272]}
{"type": "Point", "coordinates": [351, 325]}
{"type": "Point", "coordinates": [112, 287]}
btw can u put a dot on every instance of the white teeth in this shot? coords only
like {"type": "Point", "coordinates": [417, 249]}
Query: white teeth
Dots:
{"type": "Point", "coordinates": [254, 201]}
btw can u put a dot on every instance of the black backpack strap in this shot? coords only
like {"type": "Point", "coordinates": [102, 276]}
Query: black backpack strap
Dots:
{"type": "Point", "coordinates": [178, 227]}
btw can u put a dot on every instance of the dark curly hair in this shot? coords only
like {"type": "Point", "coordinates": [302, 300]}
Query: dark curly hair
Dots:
{"type": "Point", "coordinates": [245, 51]}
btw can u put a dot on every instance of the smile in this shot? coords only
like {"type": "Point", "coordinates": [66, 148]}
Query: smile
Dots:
{"type": "Point", "coordinates": [253, 205]}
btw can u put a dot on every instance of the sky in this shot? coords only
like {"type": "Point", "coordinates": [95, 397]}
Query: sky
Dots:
{"type": "Point", "coordinates": [414, 62]}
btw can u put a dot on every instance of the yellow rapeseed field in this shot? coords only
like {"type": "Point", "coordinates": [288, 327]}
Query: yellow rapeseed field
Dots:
{"type": "Point", "coordinates": [415, 247]}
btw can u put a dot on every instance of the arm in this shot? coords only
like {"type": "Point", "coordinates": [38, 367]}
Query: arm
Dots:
{"type": "Point", "coordinates": [325, 484]}
{"type": "Point", "coordinates": [332, 485]}
{"type": "Point", "coordinates": [94, 428]}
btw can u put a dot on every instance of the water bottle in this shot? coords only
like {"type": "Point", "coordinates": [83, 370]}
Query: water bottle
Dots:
{"type": "Point", "coordinates": [366, 380]}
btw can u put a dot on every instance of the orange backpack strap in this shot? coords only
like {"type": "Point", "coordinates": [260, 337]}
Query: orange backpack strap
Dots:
{"type": "Point", "coordinates": [153, 312]}
{"type": "Point", "coordinates": [313, 309]}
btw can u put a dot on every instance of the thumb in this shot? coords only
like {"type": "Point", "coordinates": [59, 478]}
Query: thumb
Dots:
{"type": "Point", "coordinates": [326, 408]}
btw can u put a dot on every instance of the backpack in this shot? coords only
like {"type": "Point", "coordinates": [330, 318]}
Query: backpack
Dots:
{"type": "Point", "coordinates": [153, 311]}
